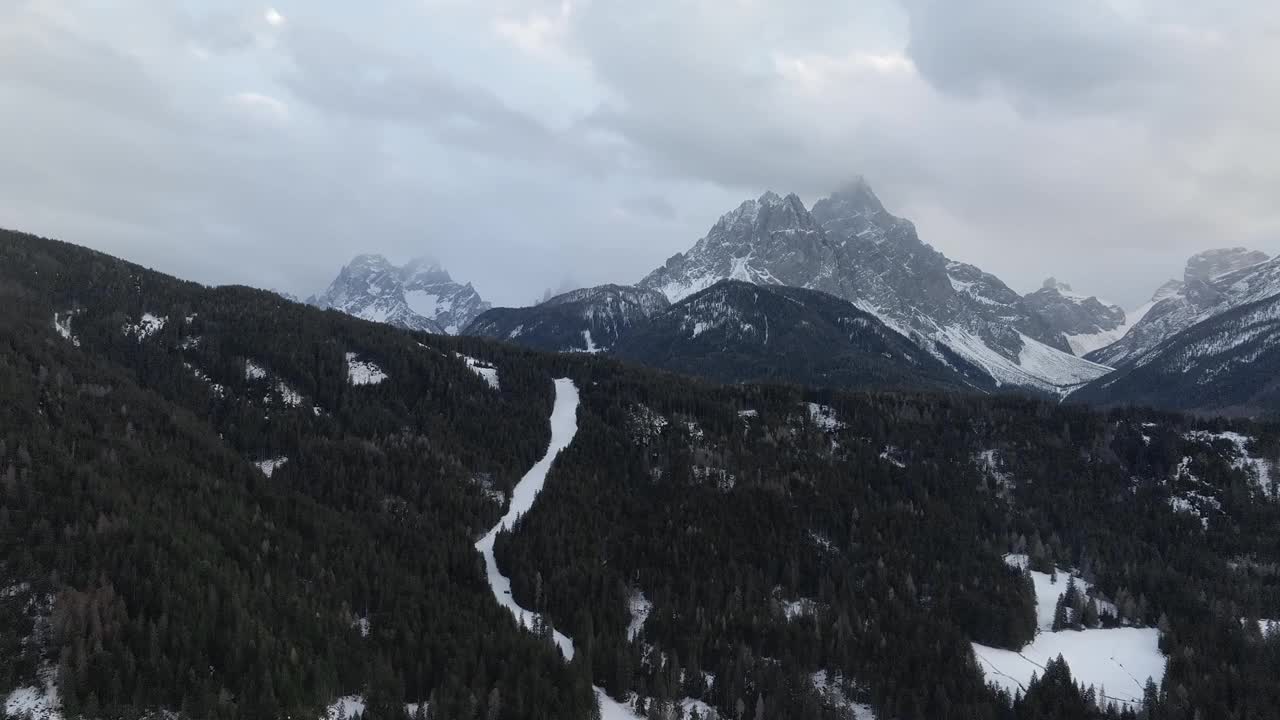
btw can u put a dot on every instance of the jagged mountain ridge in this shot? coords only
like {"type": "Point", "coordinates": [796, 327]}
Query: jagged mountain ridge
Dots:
{"type": "Point", "coordinates": [420, 295]}
{"type": "Point", "coordinates": [851, 247]}
{"type": "Point", "coordinates": [737, 332]}
{"type": "Point", "coordinates": [1214, 282]}
{"type": "Point", "coordinates": [1227, 364]}
{"type": "Point", "coordinates": [586, 320]}
{"type": "Point", "coordinates": [1085, 321]}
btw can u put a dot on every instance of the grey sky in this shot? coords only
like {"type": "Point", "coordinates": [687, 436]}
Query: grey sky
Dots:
{"type": "Point", "coordinates": [537, 143]}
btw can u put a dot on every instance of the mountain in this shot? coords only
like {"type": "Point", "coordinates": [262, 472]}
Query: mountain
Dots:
{"type": "Point", "coordinates": [1085, 321]}
{"type": "Point", "coordinates": [1227, 364]}
{"type": "Point", "coordinates": [215, 503]}
{"type": "Point", "coordinates": [1213, 282]}
{"type": "Point", "coordinates": [851, 247]}
{"type": "Point", "coordinates": [737, 332]}
{"type": "Point", "coordinates": [418, 296]}
{"type": "Point", "coordinates": [586, 320]}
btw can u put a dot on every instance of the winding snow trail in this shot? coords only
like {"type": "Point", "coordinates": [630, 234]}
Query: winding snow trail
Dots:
{"type": "Point", "coordinates": [564, 425]}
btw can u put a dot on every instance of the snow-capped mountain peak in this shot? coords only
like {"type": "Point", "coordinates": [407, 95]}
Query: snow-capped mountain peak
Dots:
{"type": "Point", "coordinates": [1214, 282]}
{"type": "Point", "coordinates": [848, 245]}
{"type": "Point", "coordinates": [419, 295]}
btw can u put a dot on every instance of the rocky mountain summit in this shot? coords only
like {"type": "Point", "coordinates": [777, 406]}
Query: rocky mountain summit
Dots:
{"type": "Point", "coordinates": [420, 295]}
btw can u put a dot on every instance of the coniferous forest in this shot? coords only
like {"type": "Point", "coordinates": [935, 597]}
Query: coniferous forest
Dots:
{"type": "Point", "coordinates": [201, 514]}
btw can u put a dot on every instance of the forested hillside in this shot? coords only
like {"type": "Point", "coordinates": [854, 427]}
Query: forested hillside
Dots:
{"type": "Point", "coordinates": [219, 503]}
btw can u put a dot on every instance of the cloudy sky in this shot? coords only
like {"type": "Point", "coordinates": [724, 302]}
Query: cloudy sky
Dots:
{"type": "Point", "coordinates": [539, 143]}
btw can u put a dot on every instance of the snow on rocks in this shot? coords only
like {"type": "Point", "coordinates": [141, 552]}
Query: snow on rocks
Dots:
{"type": "Point", "coordinates": [62, 324]}
{"type": "Point", "coordinates": [639, 607]}
{"type": "Point", "coordinates": [1116, 661]}
{"type": "Point", "coordinates": [485, 370]}
{"type": "Point", "coordinates": [147, 326]}
{"type": "Point", "coordinates": [564, 425]}
{"type": "Point", "coordinates": [361, 625]}
{"type": "Point", "coordinates": [270, 465]}
{"type": "Point", "coordinates": [363, 372]}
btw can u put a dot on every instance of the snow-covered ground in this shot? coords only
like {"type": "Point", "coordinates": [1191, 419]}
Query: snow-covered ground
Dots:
{"type": "Point", "coordinates": [1258, 469]}
{"type": "Point", "coordinates": [363, 372]}
{"type": "Point", "coordinates": [35, 702]}
{"type": "Point", "coordinates": [291, 397]}
{"type": "Point", "coordinates": [485, 370]}
{"type": "Point", "coordinates": [564, 425]}
{"type": "Point", "coordinates": [1117, 662]}
{"type": "Point", "coordinates": [146, 327]}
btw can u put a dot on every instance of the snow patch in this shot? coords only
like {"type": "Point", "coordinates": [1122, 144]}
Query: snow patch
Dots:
{"type": "Point", "coordinates": [146, 327]}
{"type": "Point", "coordinates": [363, 372]}
{"type": "Point", "coordinates": [254, 371]}
{"type": "Point", "coordinates": [346, 707]}
{"type": "Point", "coordinates": [824, 417]}
{"type": "Point", "coordinates": [62, 324]}
{"type": "Point", "coordinates": [290, 396]}
{"type": "Point", "coordinates": [38, 703]}
{"type": "Point", "coordinates": [831, 690]}
{"type": "Point", "coordinates": [893, 456]}
{"type": "Point", "coordinates": [270, 465]}
{"type": "Point", "coordinates": [646, 424]}
{"type": "Point", "coordinates": [640, 607]}
{"type": "Point", "coordinates": [485, 370]}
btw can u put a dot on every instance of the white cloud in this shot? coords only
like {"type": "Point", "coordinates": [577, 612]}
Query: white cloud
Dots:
{"type": "Point", "coordinates": [273, 17]}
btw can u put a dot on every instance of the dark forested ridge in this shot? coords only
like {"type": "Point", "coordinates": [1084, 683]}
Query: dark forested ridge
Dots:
{"type": "Point", "coordinates": [148, 563]}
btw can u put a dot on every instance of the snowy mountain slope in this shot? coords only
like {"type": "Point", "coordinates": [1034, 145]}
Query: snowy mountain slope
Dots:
{"type": "Point", "coordinates": [418, 296]}
{"type": "Point", "coordinates": [587, 320]}
{"type": "Point", "coordinates": [737, 331]}
{"type": "Point", "coordinates": [1085, 321]}
{"type": "Point", "coordinates": [851, 247]}
{"type": "Point", "coordinates": [1213, 282]}
{"type": "Point", "coordinates": [1228, 363]}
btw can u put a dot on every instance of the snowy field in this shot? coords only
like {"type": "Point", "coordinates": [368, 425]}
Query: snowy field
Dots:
{"type": "Point", "coordinates": [486, 371]}
{"type": "Point", "coordinates": [363, 372]}
{"type": "Point", "coordinates": [1116, 662]}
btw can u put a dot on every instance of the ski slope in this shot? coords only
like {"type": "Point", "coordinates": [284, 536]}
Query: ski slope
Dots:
{"type": "Point", "coordinates": [564, 425]}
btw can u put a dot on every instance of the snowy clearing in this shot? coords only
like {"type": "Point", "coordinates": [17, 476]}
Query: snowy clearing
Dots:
{"type": "Point", "coordinates": [564, 425]}
{"type": "Point", "coordinates": [1258, 469]}
{"type": "Point", "coordinates": [485, 370]}
{"type": "Point", "coordinates": [146, 327]}
{"type": "Point", "coordinates": [363, 372]}
{"type": "Point", "coordinates": [291, 397]}
{"type": "Point", "coordinates": [1117, 661]}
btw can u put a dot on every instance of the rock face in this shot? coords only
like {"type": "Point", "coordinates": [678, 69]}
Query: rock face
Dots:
{"type": "Point", "coordinates": [1214, 282]}
{"type": "Point", "coordinates": [418, 296]}
{"type": "Point", "coordinates": [586, 320]}
{"type": "Point", "coordinates": [850, 246]}
{"type": "Point", "coordinates": [1086, 322]}
{"type": "Point", "coordinates": [735, 332]}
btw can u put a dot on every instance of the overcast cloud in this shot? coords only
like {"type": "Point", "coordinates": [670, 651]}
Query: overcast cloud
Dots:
{"type": "Point", "coordinates": [541, 143]}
